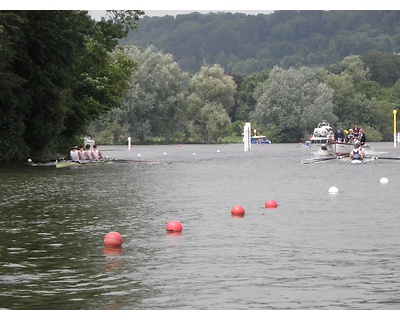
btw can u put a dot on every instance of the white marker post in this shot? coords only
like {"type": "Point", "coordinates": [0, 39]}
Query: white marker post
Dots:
{"type": "Point", "coordinates": [247, 136]}
{"type": "Point", "coordinates": [129, 143]}
{"type": "Point", "coordinates": [394, 127]}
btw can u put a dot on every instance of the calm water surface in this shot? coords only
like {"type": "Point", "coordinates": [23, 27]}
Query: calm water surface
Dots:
{"type": "Point", "coordinates": [315, 251]}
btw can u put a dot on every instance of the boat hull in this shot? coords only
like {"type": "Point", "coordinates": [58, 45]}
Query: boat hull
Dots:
{"type": "Point", "coordinates": [339, 149]}
{"type": "Point", "coordinates": [322, 133]}
{"type": "Point", "coordinates": [259, 140]}
{"type": "Point", "coordinates": [316, 140]}
{"type": "Point", "coordinates": [69, 164]}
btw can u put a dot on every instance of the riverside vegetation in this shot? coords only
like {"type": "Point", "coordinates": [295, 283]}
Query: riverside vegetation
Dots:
{"type": "Point", "coordinates": [65, 75]}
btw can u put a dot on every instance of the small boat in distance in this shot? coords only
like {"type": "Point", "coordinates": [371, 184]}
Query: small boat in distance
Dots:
{"type": "Point", "coordinates": [322, 133]}
{"type": "Point", "coordinates": [88, 140]}
{"type": "Point", "coordinates": [259, 140]}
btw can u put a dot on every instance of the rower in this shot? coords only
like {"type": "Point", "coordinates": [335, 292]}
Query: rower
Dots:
{"type": "Point", "coordinates": [357, 152]}
{"type": "Point", "coordinates": [81, 151]}
{"type": "Point", "coordinates": [74, 154]}
{"type": "Point", "coordinates": [88, 153]}
{"type": "Point", "coordinates": [97, 155]}
{"type": "Point", "coordinates": [362, 137]}
{"type": "Point", "coordinates": [350, 137]}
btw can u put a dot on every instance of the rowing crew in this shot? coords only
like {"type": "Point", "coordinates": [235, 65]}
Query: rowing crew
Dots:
{"type": "Point", "coordinates": [357, 153]}
{"type": "Point", "coordinates": [85, 154]}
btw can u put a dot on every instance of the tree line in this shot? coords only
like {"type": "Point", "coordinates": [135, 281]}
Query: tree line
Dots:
{"type": "Point", "coordinates": [167, 105]}
{"type": "Point", "coordinates": [64, 75]}
{"type": "Point", "coordinates": [245, 44]}
{"type": "Point", "coordinates": [56, 75]}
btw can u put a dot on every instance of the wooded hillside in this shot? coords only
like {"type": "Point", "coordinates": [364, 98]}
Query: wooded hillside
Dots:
{"type": "Point", "coordinates": [244, 44]}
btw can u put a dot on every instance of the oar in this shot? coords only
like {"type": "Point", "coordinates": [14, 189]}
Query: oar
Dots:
{"type": "Point", "coordinates": [316, 160]}
{"type": "Point", "coordinates": [384, 158]}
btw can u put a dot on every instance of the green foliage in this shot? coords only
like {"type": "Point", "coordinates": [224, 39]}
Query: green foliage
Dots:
{"type": "Point", "coordinates": [154, 104]}
{"type": "Point", "coordinates": [275, 134]}
{"type": "Point", "coordinates": [57, 74]}
{"type": "Point", "coordinates": [210, 100]}
{"type": "Point", "coordinates": [248, 44]}
{"type": "Point", "coordinates": [246, 100]}
{"type": "Point", "coordinates": [62, 75]}
{"type": "Point", "coordinates": [384, 66]}
{"type": "Point", "coordinates": [292, 101]}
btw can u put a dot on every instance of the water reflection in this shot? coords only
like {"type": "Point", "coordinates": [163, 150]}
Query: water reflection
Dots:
{"type": "Point", "coordinates": [315, 251]}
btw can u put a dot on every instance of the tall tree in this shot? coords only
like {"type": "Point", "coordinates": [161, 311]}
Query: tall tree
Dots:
{"type": "Point", "coordinates": [59, 76]}
{"type": "Point", "coordinates": [350, 105]}
{"type": "Point", "coordinates": [246, 100]}
{"type": "Point", "coordinates": [154, 104]}
{"type": "Point", "coordinates": [292, 102]}
{"type": "Point", "coordinates": [12, 110]}
{"type": "Point", "coordinates": [211, 98]}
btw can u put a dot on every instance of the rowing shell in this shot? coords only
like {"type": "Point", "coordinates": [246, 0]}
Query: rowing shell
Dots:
{"type": "Point", "coordinates": [365, 160]}
{"type": "Point", "coordinates": [67, 164]}
{"type": "Point", "coordinates": [357, 161]}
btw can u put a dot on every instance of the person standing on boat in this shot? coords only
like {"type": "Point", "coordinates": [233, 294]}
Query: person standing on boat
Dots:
{"type": "Point", "coordinates": [350, 136]}
{"type": "Point", "coordinates": [97, 155]}
{"type": "Point", "coordinates": [339, 135]}
{"type": "Point", "coordinates": [361, 137]}
{"type": "Point", "coordinates": [357, 152]}
{"type": "Point", "coordinates": [356, 130]}
{"type": "Point", "coordinates": [74, 154]}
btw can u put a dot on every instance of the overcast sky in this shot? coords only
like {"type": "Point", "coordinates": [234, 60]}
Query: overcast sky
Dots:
{"type": "Point", "coordinates": [161, 6]}
{"type": "Point", "coordinates": [96, 14]}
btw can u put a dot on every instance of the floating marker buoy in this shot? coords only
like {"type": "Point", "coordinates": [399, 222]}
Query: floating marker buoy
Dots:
{"type": "Point", "coordinates": [113, 239]}
{"type": "Point", "coordinates": [237, 211]}
{"type": "Point", "coordinates": [384, 180]}
{"type": "Point", "coordinates": [218, 151]}
{"type": "Point", "coordinates": [174, 226]}
{"type": "Point", "coordinates": [165, 153]}
{"type": "Point", "coordinates": [333, 190]}
{"type": "Point", "coordinates": [270, 204]}
{"type": "Point", "coordinates": [139, 155]}
{"type": "Point", "coordinates": [194, 153]}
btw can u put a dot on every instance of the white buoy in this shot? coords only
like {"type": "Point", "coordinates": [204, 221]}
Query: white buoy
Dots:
{"type": "Point", "coordinates": [384, 180]}
{"type": "Point", "coordinates": [218, 151]}
{"type": "Point", "coordinates": [139, 155]}
{"type": "Point", "coordinates": [333, 190]}
{"type": "Point", "coordinates": [194, 153]}
{"type": "Point", "coordinates": [165, 153]}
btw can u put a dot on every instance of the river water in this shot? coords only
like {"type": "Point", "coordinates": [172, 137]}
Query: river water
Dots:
{"type": "Point", "coordinates": [315, 251]}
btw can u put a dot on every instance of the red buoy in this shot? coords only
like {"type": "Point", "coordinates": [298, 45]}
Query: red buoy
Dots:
{"type": "Point", "coordinates": [237, 211]}
{"type": "Point", "coordinates": [271, 204]}
{"type": "Point", "coordinates": [174, 226]}
{"type": "Point", "coordinates": [113, 239]}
